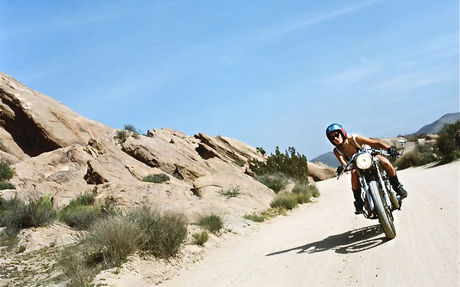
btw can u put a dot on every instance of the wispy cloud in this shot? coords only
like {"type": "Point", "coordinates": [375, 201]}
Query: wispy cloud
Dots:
{"type": "Point", "coordinates": [354, 74]}
{"type": "Point", "coordinates": [407, 82]}
{"type": "Point", "coordinates": [284, 29]}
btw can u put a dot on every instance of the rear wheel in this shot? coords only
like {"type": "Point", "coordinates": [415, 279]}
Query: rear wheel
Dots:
{"type": "Point", "coordinates": [386, 220]}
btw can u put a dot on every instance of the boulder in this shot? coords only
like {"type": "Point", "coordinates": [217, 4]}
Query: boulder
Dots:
{"type": "Point", "coordinates": [319, 171]}
{"type": "Point", "coordinates": [38, 123]}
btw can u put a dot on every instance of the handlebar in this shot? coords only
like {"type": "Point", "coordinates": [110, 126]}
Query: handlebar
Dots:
{"type": "Point", "coordinates": [372, 151]}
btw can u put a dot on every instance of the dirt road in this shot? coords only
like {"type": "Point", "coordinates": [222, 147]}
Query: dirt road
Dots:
{"type": "Point", "coordinates": [325, 244]}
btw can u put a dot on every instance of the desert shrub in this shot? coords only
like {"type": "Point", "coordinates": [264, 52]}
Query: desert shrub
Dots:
{"type": "Point", "coordinates": [302, 193]}
{"type": "Point", "coordinates": [132, 128]}
{"type": "Point", "coordinates": [254, 217]}
{"type": "Point", "coordinates": [75, 268]}
{"type": "Point", "coordinates": [111, 240]}
{"type": "Point", "coordinates": [261, 150]}
{"type": "Point", "coordinates": [80, 216]}
{"type": "Point", "coordinates": [415, 158]}
{"type": "Point", "coordinates": [233, 191]}
{"type": "Point", "coordinates": [164, 232]}
{"type": "Point", "coordinates": [285, 200]}
{"type": "Point", "coordinates": [200, 238]}
{"type": "Point", "coordinates": [408, 159]}
{"type": "Point", "coordinates": [305, 191]}
{"type": "Point", "coordinates": [314, 191]}
{"type": "Point", "coordinates": [6, 173]}
{"type": "Point", "coordinates": [276, 181]}
{"type": "Point", "coordinates": [121, 136]}
{"type": "Point", "coordinates": [424, 148]}
{"type": "Point", "coordinates": [156, 178]}
{"type": "Point", "coordinates": [239, 163]}
{"type": "Point", "coordinates": [212, 221]}
{"type": "Point", "coordinates": [6, 185]}
{"type": "Point", "coordinates": [290, 163]}
{"type": "Point", "coordinates": [81, 212]}
{"type": "Point", "coordinates": [16, 214]}
{"type": "Point", "coordinates": [448, 142]}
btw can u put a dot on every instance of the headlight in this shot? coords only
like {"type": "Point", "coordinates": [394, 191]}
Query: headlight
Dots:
{"type": "Point", "coordinates": [364, 161]}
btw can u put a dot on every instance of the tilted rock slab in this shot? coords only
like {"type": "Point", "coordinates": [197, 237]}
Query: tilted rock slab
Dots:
{"type": "Point", "coordinates": [57, 152]}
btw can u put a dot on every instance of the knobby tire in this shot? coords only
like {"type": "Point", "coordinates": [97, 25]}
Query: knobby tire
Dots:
{"type": "Point", "coordinates": [384, 218]}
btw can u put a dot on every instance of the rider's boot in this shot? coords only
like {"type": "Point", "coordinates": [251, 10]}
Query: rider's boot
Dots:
{"type": "Point", "coordinates": [398, 187]}
{"type": "Point", "coordinates": [358, 201]}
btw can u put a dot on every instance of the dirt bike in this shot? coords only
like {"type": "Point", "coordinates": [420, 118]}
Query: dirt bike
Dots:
{"type": "Point", "coordinates": [379, 199]}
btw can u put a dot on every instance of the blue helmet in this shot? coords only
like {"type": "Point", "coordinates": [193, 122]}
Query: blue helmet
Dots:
{"type": "Point", "coordinates": [335, 127]}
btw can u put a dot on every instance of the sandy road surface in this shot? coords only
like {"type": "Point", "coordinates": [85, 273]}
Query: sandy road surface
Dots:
{"type": "Point", "coordinates": [325, 244]}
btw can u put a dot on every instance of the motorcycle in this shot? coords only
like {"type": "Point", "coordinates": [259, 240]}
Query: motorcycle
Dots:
{"type": "Point", "coordinates": [379, 199]}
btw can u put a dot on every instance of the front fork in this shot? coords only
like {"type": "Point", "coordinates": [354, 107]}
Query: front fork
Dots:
{"type": "Point", "coordinates": [390, 200]}
{"type": "Point", "coordinates": [367, 197]}
{"type": "Point", "coordinates": [388, 193]}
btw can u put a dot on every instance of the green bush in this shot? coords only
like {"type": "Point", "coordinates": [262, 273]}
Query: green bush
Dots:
{"type": "Point", "coordinates": [415, 158]}
{"type": "Point", "coordinates": [304, 192]}
{"type": "Point", "coordinates": [254, 217]}
{"type": "Point", "coordinates": [81, 216]}
{"type": "Point", "coordinates": [121, 136]}
{"type": "Point", "coordinates": [6, 185]}
{"type": "Point", "coordinates": [16, 214]}
{"type": "Point", "coordinates": [156, 178]}
{"type": "Point", "coordinates": [408, 159]}
{"type": "Point", "coordinates": [165, 232]}
{"type": "Point", "coordinates": [111, 240]}
{"type": "Point", "coordinates": [448, 142]}
{"type": "Point", "coordinates": [314, 191]}
{"type": "Point", "coordinates": [290, 163]}
{"type": "Point", "coordinates": [6, 173]}
{"type": "Point", "coordinates": [233, 191]}
{"type": "Point", "coordinates": [288, 201]}
{"type": "Point", "coordinates": [200, 238]}
{"type": "Point", "coordinates": [81, 212]}
{"type": "Point", "coordinates": [133, 129]}
{"type": "Point", "coordinates": [275, 182]}
{"type": "Point", "coordinates": [76, 268]}
{"type": "Point", "coordinates": [211, 221]}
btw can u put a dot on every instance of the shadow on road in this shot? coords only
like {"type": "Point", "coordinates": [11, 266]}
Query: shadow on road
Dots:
{"type": "Point", "coordinates": [349, 242]}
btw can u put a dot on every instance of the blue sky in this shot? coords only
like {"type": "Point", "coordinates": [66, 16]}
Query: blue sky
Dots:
{"type": "Point", "coordinates": [268, 73]}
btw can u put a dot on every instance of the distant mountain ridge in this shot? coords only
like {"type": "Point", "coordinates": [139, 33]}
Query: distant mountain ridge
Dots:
{"type": "Point", "coordinates": [436, 126]}
{"type": "Point", "coordinates": [328, 159]}
{"type": "Point", "coordinates": [433, 128]}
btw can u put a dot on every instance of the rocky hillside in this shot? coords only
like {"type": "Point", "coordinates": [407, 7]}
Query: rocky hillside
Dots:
{"type": "Point", "coordinates": [56, 151]}
{"type": "Point", "coordinates": [59, 152]}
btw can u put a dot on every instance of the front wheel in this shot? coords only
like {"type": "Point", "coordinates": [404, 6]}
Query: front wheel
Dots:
{"type": "Point", "coordinates": [385, 218]}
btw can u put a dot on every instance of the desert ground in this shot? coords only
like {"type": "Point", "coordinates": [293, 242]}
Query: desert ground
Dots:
{"type": "Point", "coordinates": [326, 244]}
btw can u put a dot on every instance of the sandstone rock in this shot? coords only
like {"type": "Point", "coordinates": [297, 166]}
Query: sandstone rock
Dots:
{"type": "Point", "coordinates": [55, 151]}
{"type": "Point", "coordinates": [319, 171]}
{"type": "Point", "coordinates": [38, 123]}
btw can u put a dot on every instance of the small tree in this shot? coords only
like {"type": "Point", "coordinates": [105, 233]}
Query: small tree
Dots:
{"type": "Point", "coordinates": [448, 142]}
{"type": "Point", "coordinates": [290, 163]}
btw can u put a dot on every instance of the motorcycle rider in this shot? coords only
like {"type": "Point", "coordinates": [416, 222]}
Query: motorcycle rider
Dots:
{"type": "Point", "coordinates": [346, 146]}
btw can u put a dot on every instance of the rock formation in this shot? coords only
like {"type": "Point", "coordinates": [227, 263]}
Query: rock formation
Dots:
{"type": "Point", "coordinates": [56, 151]}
